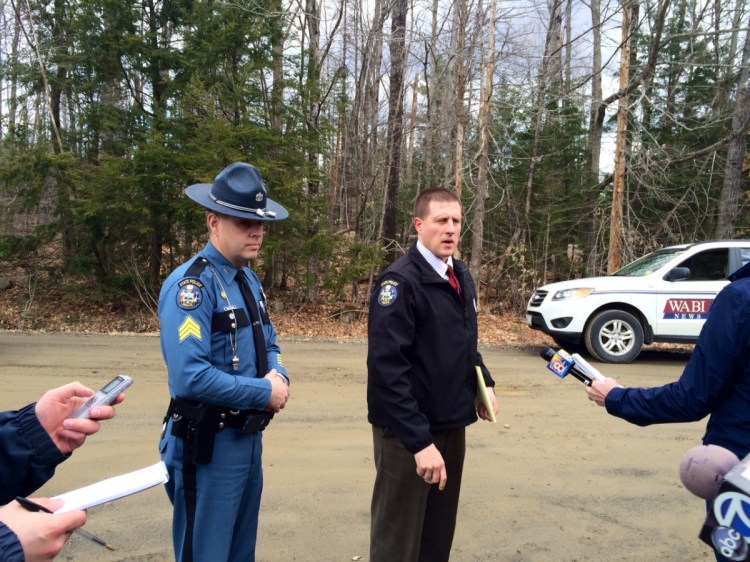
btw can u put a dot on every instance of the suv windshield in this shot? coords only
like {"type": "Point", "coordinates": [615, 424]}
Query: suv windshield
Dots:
{"type": "Point", "coordinates": [649, 263]}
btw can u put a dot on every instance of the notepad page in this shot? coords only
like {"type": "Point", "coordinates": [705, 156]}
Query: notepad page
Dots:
{"type": "Point", "coordinates": [114, 488]}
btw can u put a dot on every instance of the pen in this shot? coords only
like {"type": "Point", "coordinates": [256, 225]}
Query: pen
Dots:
{"type": "Point", "coordinates": [33, 506]}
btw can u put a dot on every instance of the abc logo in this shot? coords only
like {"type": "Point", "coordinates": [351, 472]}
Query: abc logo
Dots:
{"type": "Point", "coordinates": [732, 509]}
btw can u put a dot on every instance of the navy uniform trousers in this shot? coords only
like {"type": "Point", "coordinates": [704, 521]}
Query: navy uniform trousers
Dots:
{"type": "Point", "coordinates": [225, 518]}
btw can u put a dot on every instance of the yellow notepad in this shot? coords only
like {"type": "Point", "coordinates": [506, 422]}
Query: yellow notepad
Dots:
{"type": "Point", "coordinates": [483, 395]}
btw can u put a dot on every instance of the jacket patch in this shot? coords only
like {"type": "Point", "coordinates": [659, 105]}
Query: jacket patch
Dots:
{"type": "Point", "coordinates": [388, 293]}
{"type": "Point", "coordinates": [189, 328]}
{"type": "Point", "coordinates": [190, 295]}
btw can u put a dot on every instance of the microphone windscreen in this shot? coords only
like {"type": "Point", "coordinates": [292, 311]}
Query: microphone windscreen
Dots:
{"type": "Point", "coordinates": [547, 353]}
{"type": "Point", "coordinates": [703, 467]}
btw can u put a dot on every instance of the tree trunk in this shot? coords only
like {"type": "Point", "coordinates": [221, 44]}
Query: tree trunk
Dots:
{"type": "Point", "coordinates": [546, 74]}
{"type": "Point", "coordinates": [485, 121]}
{"type": "Point", "coordinates": [312, 14]}
{"type": "Point", "coordinates": [460, 90]}
{"type": "Point", "coordinates": [736, 151]}
{"type": "Point", "coordinates": [595, 124]}
{"type": "Point", "coordinates": [395, 129]}
{"type": "Point", "coordinates": [615, 223]}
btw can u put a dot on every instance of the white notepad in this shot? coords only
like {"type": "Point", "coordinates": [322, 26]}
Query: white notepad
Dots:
{"type": "Point", "coordinates": [114, 488]}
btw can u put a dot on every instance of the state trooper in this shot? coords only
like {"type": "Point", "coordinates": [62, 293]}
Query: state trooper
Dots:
{"type": "Point", "coordinates": [225, 373]}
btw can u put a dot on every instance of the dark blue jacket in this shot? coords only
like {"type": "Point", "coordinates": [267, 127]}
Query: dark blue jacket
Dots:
{"type": "Point", "coordinates": [28, 458]}
{"type": "Point", "coordinates": [716, 379]}
{"type": "Point", "coordinates": [422, 351]}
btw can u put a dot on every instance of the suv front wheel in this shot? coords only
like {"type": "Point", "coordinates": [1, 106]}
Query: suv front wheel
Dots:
{"type": "Point", "coordinates": [614, 336]}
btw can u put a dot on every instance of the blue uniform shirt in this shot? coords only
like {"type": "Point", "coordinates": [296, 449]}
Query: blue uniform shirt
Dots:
{"type": "Point", "coordinates": [716, 379]}
{"type": "Point", "coordinates": [202, 330]}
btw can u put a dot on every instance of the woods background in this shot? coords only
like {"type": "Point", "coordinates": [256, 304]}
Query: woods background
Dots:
{"type": "Point", "coordinates": [579, 135]}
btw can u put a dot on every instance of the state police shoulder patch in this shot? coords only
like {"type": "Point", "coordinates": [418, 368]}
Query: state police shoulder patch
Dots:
{"type": "Point", "coordinates": [190, 294]}
{"type": "Point", "coordinates": [388, 293]}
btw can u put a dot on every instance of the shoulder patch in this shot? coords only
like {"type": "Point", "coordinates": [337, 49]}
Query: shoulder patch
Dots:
{"type": "Point", "coordinates": [388, 293]}
{"type": "Point", "coordinates": [190, 294]}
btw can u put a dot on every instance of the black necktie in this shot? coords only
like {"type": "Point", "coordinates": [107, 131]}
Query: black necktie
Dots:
{"type": "Point", "coordinates": [453, 280]}
{"type": "Point", "coordinates": [258, 338]}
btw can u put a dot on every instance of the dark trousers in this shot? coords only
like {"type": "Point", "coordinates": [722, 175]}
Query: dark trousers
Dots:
{"type": "Point", "coordinates": [412, 521]}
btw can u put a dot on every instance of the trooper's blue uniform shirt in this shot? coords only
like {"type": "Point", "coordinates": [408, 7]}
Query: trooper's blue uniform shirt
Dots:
{"type": "Point", "coordinates": [199, 357]}
{"type": "Point", "coordinates": [716, 379]}
{"type": "Point", "coordinates": [204, 326]}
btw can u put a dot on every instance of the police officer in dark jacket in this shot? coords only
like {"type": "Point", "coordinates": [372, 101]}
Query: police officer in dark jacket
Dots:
{"type": "Point", "coordinates": [422, 383]}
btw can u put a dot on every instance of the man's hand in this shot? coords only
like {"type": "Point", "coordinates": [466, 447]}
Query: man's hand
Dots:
{"type": "Point", "coordinates": [42, 535]}
{"type": "Point", "coordinates": [482, 411]}
{"type": "Point", "coordinates": [599, 389]}
{"type": "Point", "coordinates": [431, 466]}
{"type": "Point", "coordinates": [54, 407]}
{"type": "Point", "coordinates": [279, 392]}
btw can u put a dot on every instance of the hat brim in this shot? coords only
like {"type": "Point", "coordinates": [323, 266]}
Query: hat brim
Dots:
{"type": "Point", "coordinates": [200, 193]}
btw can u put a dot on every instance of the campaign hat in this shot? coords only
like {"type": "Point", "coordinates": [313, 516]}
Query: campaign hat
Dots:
{"type": "Point", "coordinates": [239, 191]}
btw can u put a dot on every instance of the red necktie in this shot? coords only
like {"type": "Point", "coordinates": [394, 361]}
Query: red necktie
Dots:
{"type": "Point", "coordinates": [453, 281]}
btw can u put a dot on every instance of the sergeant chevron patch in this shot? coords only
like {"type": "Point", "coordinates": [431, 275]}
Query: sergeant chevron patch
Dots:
{"type": "Point", "coordinates": [189, 328]}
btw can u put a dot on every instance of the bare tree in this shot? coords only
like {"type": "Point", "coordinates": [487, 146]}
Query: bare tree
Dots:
{"type": "Point", "coordinates": [595, 123]}
{"type": "Point", "coordinates": [483, 175]}
{"type": "Point", "coordinates": [395, 128]}
{"type": "Point", "coordinates": [615, 223]}
{"type": "Point", "coordinates": [736, 150]}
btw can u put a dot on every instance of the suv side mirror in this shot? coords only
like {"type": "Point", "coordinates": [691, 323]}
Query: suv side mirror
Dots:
{"type": "Point", "coordinates": [678, 274]}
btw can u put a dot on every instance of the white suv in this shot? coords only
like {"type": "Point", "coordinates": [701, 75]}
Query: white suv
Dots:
{"type": "Point", "coordinates": [664, 296]}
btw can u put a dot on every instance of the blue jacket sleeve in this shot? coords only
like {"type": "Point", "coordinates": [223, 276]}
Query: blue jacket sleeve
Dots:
{"type": "Point", "coordinates": [709, 375]}
{"type": "Point", "coordinates": [10, 547]}
{"type": "Point", "coordinates": [28, 456]}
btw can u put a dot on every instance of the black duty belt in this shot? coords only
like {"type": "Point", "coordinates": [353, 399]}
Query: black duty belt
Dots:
{"type": "Point", "coordinates": [198, 423]}
{"type": "Point", "coordinates": [215, 417]}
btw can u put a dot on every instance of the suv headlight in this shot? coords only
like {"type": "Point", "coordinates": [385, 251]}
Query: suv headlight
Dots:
{"type": "Point", "coordinates": [572, 293]}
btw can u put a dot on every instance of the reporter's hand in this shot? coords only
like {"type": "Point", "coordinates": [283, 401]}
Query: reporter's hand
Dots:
{"type": "Point", "coordinates": [54, 407]}
{"type": "Point", "coordinates": [279, 392]}
{"type": "Point", "coordinates": [431, 466]}
{"type": "Point", "coordinates": [599, 389]}
{"type": "Point", "coordinates": [42, 535]}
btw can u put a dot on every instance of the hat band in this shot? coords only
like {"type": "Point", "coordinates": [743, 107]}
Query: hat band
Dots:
{"type": "Point", "coordinates": [259, 212]}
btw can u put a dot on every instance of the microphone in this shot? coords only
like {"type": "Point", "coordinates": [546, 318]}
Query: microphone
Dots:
{"type": "Point", "coordinates": [563, 364]}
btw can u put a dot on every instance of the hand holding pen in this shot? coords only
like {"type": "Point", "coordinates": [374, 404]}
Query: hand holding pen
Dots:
{"type": "Point", "coordinates": [42, 536]}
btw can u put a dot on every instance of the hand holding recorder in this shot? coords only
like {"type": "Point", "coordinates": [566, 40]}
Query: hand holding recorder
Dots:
{"type": "Point", "coordinates": [68, 419]}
